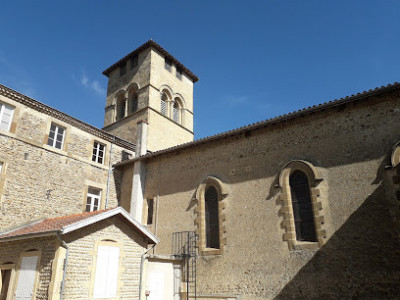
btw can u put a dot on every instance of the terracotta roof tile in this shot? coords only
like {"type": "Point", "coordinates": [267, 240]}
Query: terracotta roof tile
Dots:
{"type": "Point", "coordinates": [48, 225]}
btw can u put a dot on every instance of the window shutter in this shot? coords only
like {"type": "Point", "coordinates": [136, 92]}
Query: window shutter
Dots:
{"type": "Point", "coordinates": [26, 279]}
{"type": "Point", "coordinates": [6, 118]}
{"type": "Point", "coordinates": [100, 283]}
{"type": "Point", "coordinates": [106, 278]}
{"type": "Point", "coordinates": [163, 107]}
{"type": "Point", "coordinates": [112, 272]}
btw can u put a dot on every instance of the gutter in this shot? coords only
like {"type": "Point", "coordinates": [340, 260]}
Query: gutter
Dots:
{"type": "Point", "coordinates": [64, 244]}
{"type": "Point", "coordinates": [110, 170]}
{"type": "Point", "coordinates": [283, 118]}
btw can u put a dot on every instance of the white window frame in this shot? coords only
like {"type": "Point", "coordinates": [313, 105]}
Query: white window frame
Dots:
{"type": "Point", "coordinates": [90, 199]}
{"type": "Point", "coordinates": [96, 152]}
{"type": "Point", "coordinates": [107, 272]}
{"type": "Point", "coordinates": [56, 132]}
{"type": "Point", "coordinates": [3, 108]}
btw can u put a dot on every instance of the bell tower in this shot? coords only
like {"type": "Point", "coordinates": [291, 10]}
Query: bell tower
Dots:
{"type": "Point", "coordinates": [150, 85]}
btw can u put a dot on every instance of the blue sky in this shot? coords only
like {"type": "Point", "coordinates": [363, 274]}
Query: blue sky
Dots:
{"type": "Point", "coordinates": [255, 59]}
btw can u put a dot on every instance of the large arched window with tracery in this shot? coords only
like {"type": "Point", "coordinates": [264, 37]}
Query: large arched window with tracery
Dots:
{"type": "Point", "coordinates": [302, 207]}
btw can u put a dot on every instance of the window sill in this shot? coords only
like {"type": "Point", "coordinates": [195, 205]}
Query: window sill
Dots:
{"type": "Point", "coordinates": [211, 251]}
{"type": "Point", "coordinates": [305, 245]}
{"type": "Point", "coordinates": [54, 149]}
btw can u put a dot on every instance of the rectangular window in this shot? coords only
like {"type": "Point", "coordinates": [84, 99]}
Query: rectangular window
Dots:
{"type": "Point", "coordinates": [6, 113]}
{"type": "Point", "coordinates": [134, 62]}
{"type": "Point", "coordinates": [1, 166]}
{"type": "Point", "coordinates": [93, 199]}
{"type": "Point", "coordinates": [122, 69]}
{"type": "Point", "coordinates": [56, 136]}
{"type": "Point", "coordinates": [150, 211]}
{"type": "Point", "coordinates": [98, 152]}
{"type": "Point", "coordinates": [178, 74]}
{"type": "Point", "coordinates": [106, 278]}
{"type": "Point", "coordinates": [168, 65]}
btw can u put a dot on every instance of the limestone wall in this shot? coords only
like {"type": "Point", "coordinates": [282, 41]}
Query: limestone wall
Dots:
{"type": "Point", "coordinates": [10, 252]}
{"type": "Point", "coordinates": [40, 181]}
{"type": "Point", "coordinates": [349, 146]}
{"type": "Point", "coordinates": [81, 263]}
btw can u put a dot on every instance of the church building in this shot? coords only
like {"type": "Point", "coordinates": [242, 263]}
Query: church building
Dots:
{"type": "Point", "coordinates": [300, 206]}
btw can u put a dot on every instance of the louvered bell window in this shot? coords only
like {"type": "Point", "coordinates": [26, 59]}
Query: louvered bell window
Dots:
{"type": "Point", "coordinates": [163, 107]}
{"type": "Point", "coordinates": [175, 113]}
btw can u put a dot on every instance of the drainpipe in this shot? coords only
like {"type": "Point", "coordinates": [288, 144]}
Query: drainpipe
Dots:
{"type": "Point", "coordinates": [144, 256]}
{"type": "Point", "coordinates": [64, 244]}
{"type": "Point", "coordinates": [110, 170]}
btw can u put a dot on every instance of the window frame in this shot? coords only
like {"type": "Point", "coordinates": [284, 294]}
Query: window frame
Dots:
{"type": "Point", "coordinates": [106, 243]}
{"type": "Point", "coordinates": [18, 271]}
{"type": "Point", "coordinates": [56, 132]}
{"type": "Point", "coordinates": [3, 106]}
{"type": "Point", "coordinates": [96, 156]}
{"type": "Point", "coordinates": [11, 285]}
{"type": "Point", "coordinates": [93, 197]}
{"type": "Point", "coordinates": [222, 191]}
{"type": "Point", "coordinates": [286, 211]}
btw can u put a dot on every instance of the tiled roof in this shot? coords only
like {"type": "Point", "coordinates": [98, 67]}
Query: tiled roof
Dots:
{"type": "Point", "coordinates": [160, 49]}
{"type": "Point", "coordinates": [66, 224]}
{"type": "Point", "coordinates": [48, 225]}
{"type": "Point", "coordinates": [302, 112]}
{"type": "Point", "coordinates": [36, 105]}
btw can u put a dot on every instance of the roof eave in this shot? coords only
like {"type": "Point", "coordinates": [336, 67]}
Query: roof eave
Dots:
{"type": "Point", "coordinates": [29, 236]}
{"type": "Point", "coordinates": [269, 122]}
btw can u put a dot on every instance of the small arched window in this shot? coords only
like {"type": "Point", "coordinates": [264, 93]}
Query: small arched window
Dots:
{"type": "Point", "coordinates": [212, 218]}
{"type": "Point", "coordinates": [302, 207]}
{"type": "Point", "coordinates": [132, 102]}
{"type": "Point", "coordinates": [120, 107]}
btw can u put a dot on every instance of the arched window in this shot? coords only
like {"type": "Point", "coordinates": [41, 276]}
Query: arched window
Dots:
{"type": "Point", "coordinates": [211, 218]}
{"type": "Point", "coordinates": [120, 107]}
{"type": "Point", "coordinates": [163, 104]}
{"type": "Point", "coordinates": [132, 101]}
{"type": "Point", "coordinates": [210, 197]}
{"type": "Point", "coordinates": [302, 207]}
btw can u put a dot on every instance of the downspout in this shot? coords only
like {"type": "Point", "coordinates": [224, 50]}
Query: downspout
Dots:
{"type": "Point", "coordinates": [64, 244]}
{"type": "Point", "coordinates": [155, 229]}
{"type": "Point", "coordinates": [110, 170]}
{"type": "Point", "coordinates": [144, 256]}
